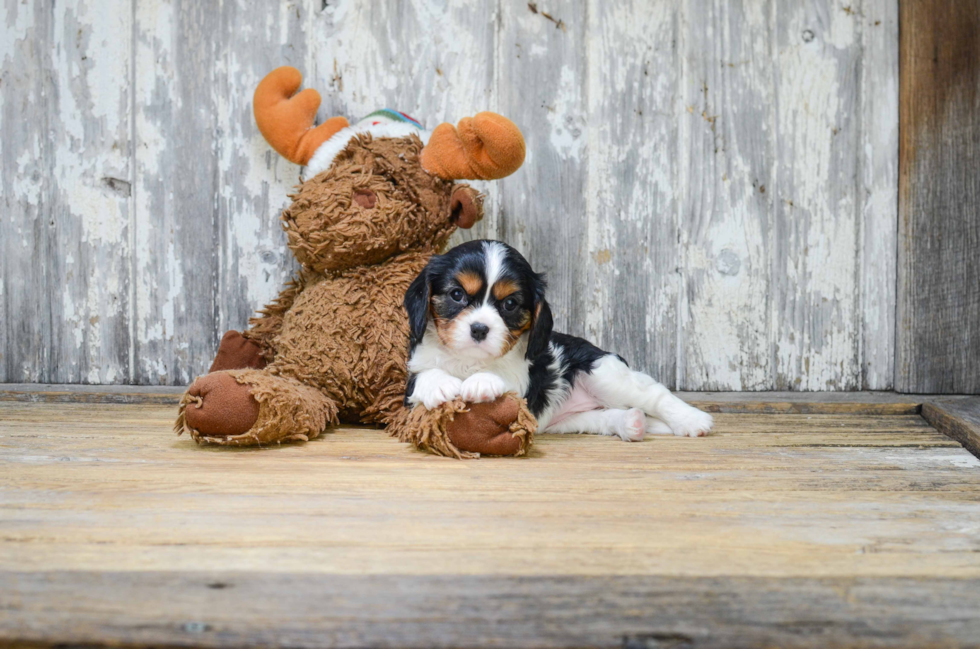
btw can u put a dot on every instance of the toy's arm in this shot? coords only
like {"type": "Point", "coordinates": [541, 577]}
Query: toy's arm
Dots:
{"type": "Point", "coordinates": [467, 430]}
{"type": "Point", "coordinates": [264, 327]}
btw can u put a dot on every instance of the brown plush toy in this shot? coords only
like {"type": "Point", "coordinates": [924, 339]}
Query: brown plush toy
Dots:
{"type": "Point", "coordinates": [378, 201]}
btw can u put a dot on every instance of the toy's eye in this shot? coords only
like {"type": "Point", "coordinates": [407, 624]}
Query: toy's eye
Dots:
{"type": "Point", "coordinates": [457, 295]}
{"type": "Point", "coordinates": [510, 304]}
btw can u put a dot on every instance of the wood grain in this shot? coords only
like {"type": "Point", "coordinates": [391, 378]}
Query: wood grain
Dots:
{"type": "Point", "coordinates": [542, 84]}
{"type": "Point", "coordinates": [870, 403]}
{"type": "Point", "coordinates": [109, 487]}
{"type": "Point", "coordinates": [939, 194]}
{"type": "Point", "coordinates": [66, 191]}
{"type": "Point", "coordinates": [959, 420]}
{"type": "Point", "coordinates": [133, 169]}
{"type": "Point", "coordinates": [876, 195]}
{"type": "Point", "coordinates": [208, 190]}
{"type": "Point", "coordinates": [727, 113]}
{"type": "Point", "coordinates": [863, 403]}
{"type": "Point", "coordinates": [71, 393]}
{"type": "Point", "coordinates": [369, 55]}
{"type": "Point", "coordinates": [631, 202]}
{"type": "Point", "coordinates": [815, 212]}
{"type": "Point", "coordinates": [268, 609]}
{"type": "Point", "coordinates": [776, 530]}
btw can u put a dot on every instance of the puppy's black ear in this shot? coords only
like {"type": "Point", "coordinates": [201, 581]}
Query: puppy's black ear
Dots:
{"type": "Point", "coordinates": [541, 326]}
{"type": "Point", "coordinates": [417, 305]}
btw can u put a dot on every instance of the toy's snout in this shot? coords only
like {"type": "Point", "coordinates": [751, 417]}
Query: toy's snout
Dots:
{"type": "Point", "coordinates": [365, 198]}
{"type": "Point", "coordinates": [465, 207]}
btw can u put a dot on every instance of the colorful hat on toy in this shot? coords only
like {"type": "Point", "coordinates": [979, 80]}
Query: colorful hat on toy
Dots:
{"type": "Point", "coordinates": [380, 123]}
{"type": "Point", "coordinates": [483, 147]}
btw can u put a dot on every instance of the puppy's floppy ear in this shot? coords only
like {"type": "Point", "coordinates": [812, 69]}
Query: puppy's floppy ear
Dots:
{"type": "Point", "coordinates": [541, 321]}
{"type": "Point", "coordinates": [417, 304]}
{"type": "Point", "coordinates": [541, 326]}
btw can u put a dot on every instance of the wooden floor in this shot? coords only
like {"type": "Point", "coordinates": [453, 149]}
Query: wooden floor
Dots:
{"type": "Point", "coordinates": [787, 529]}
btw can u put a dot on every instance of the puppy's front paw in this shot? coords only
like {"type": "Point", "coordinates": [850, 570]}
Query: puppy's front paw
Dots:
{"type": "Point", "coordinates": [437, 390]}
{"type": "Point", "coordinates": [692, 423]}
{"type": "Point", "coordinates": [481, 387]}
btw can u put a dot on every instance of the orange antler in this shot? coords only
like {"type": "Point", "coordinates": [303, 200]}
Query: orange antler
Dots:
{"type": "Point", "coordinates": [286, 119]}
{"type": "Point", "coordinates": [484, 147]}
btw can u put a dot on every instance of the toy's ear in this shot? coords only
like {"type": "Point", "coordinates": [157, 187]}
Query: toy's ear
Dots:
{"type": "Point", "coordinates": [484, 147]}
{"type": "Point", "coordinates": [286, 118]}
{"type": "Point", "coordinates": [417, 305]}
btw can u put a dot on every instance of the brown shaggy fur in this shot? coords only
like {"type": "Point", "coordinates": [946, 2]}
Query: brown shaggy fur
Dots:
{"type": "Point", "coordinates": [433, 430]}
{"type": "Point", "coordinates": [336, 337]}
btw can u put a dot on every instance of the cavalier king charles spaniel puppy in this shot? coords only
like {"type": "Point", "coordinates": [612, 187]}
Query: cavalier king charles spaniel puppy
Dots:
{"type": "Point", "coordinates": [480, 327]}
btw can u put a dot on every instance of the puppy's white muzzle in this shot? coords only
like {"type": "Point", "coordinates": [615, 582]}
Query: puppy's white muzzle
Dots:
{"type": "Point", "coordinates": [480, 333]}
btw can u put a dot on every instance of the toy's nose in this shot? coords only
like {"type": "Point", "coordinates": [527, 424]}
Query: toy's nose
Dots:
{"type": "Point", "coordinates": [479, 331]}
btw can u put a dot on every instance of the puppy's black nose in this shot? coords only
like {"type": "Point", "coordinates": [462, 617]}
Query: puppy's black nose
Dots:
{"type": "Point", "coordinates": [479, 331]}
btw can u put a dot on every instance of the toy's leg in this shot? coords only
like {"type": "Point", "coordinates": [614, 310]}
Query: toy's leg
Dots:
{"type": "Point", "coordinates": [236, 352]}
{"type": "Point", "coordinates": [467, 430]}
{"type": "Point", "coordinates": [250, 407]}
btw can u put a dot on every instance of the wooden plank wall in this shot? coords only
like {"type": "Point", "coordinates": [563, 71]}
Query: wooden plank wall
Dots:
{"type": "Point", "coordinates": [939, 227]}
{"type": "Point", "coordinates": [710, 184]}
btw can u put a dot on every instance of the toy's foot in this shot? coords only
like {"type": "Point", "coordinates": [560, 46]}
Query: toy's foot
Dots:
{"type": "Point", "coordinates": [220, 406]}
{"type": "Point", "coordinates": [485, 428]}
{"type": "Point", "coordinates": [236, 352]}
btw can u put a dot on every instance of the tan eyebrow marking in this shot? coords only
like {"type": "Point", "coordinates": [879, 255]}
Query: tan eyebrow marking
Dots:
{"type": "Point", "coordinates": [515, 334]}
{"type": "Point", "coordinates": [503, 288]}
{"type": "Point", "coordinates": [470, 281]}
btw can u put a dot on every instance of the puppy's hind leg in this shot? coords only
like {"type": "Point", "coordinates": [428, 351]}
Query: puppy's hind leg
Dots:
{"type": "Point", "coordinates": [615, 385]}
{"type": "Point", "coordinates": [656, 427]}
{"type": "Point", "coordinates": [628, 424]}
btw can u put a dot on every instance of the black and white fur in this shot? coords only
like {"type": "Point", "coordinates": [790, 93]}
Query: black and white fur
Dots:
{"type": "Point", "coordinates": [480, 339]}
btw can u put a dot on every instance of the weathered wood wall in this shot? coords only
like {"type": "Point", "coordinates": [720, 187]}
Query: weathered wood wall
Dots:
{"type": "Point", "coordinates": [939, 228]}
{"type": "Point", "coordinates": [710, 184]}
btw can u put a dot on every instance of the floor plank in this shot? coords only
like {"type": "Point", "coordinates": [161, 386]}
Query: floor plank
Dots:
{"type": "Point", "coordinates": [270, 609]}
{"type": "Point", "coordinates": [958, 419]}
{"type": "Point", "coordinates": [857, 402]}
{"type": "Point", "coordinates": [104, 498]}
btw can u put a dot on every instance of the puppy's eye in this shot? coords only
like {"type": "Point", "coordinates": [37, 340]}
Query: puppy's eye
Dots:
{"type": "Point", "coordinates": [510, 304]}
{"type": "Point", "coordinates": [457, 295]}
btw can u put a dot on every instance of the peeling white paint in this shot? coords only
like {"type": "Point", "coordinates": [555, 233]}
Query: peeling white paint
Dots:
{"type": "Point", "coordinates": [815, 328]}
{"type": "Point", "coordinates": [567, 127]}
{"type": "Point", "coordinates": [879, 173]}
{"type": "Point", "coordinates": [652, 128]}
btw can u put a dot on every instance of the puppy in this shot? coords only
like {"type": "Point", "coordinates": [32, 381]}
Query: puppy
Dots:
{"type": "Point", "coordinates": [480, 326]}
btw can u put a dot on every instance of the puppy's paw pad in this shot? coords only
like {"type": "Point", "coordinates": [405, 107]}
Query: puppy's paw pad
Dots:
{"type": "Point", "coordinates": [694, 423]}
{"type": "Point", "coordinates": [634, 425]}
{"type": "Point", "coordinates": [482, 387]}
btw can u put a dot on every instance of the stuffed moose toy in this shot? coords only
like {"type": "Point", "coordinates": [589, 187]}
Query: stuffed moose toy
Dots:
{"type": "Point", "coordinates": [380, 197]}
